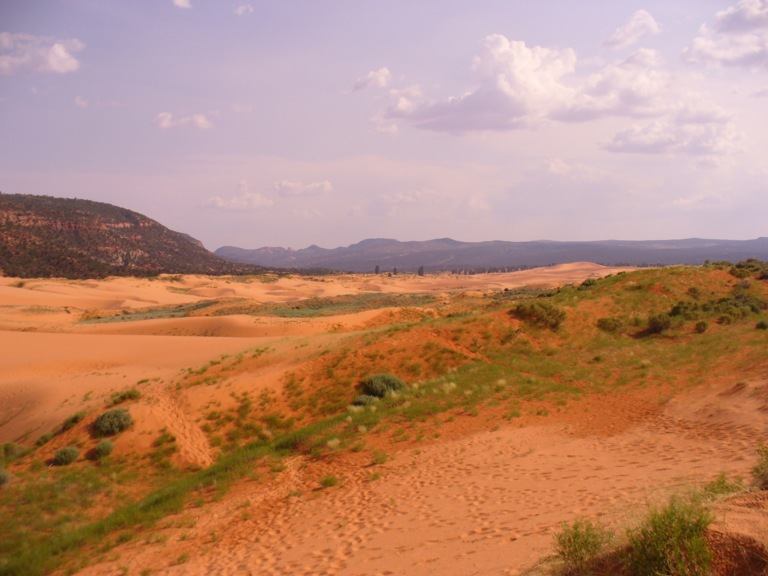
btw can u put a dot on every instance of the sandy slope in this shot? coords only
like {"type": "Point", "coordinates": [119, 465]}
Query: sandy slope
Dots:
{"type": "Point", "coordinates": [487, 504]}
{"type": "Point", "coordinates": [51, 365]}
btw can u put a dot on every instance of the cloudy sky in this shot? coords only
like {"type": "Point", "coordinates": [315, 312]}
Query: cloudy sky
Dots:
{"type": "Point", "coordinates": [292, 122]}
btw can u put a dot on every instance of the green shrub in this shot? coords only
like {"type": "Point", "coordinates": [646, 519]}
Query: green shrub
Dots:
{"type": "Point", "coordinates": [541, 314]}
{"type": "Point", "coordinates": [112, 422]}
{"type": "Point", "coordinates": [10, 451]}
{"type": "Point", "coordinates": [762, 325]}
{"type": "Point", "coordinates": [5, 477]}
{"type": "Point", "coordinates": [44, 439]}
{"type": "Point", "coordinates": [587, 284]}
{"type": "Point", "coordinates": [65, 456]}
{"type": "Point", "coordinates": [579, 544]}
{"type": "Point", "coordinates": [124, 396]}
{"type": "Point", "coordinates": [672, 541]}
{"type": "Point", "coordinates": [760, 470]}
{"type": "Point", "coordinates": [71, 421]}
{"type": "Point", "coordinates": [328, 481]}
{"type": "Point", "coordinates": [379, 457]}
{"type": "Point", "coordinates": [721, 486]}
{"type": "Point", "coordinates": [658, 323]}
{"type": "Point", "coordinates": [101, 450]}
{"type": "Point", "coordinates": [380, 385]}
{"type": "Point", "coordinates": [365, 400]}
{"type": "Point", "coordinates": [611, 325]}
{"type": "Point", "coordinates": [701, 327]}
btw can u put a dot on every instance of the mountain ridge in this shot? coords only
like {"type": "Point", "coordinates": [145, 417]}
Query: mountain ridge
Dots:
{"type": "Point", "coordinates": [442, 254]}
{"type": "Point", "coordinates": [46, 236]}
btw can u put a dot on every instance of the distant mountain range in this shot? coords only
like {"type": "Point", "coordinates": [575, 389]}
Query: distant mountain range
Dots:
{"type": "Point", "coordinates": [46, 236]}
{"type": "Point", "coordinates": [448, 254]}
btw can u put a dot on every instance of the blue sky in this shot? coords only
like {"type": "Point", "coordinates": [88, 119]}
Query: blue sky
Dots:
{"type": "Point", "coordinates": [324, 122]}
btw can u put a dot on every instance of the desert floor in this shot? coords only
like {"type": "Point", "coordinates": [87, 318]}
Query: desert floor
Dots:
{"type": "Point", "coordinates": [482, 495]}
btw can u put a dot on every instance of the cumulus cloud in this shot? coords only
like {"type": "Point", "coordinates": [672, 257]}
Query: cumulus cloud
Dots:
{"type": "Point", "coordinates": [636, 86]}
{"type": "Point", "coordinates": [297, 188]}
{"type": "Point", "coordinates": [166, 120]}
{"type": "Point", "coordinates": [738, 37]}
{"type": "Point", "coordinates": [516, 83]}
{"type": "Point", "coordinates": [640, 25]}
{"type": "Point", "coordinates": [744, 16]}
{"type": "Point", "coordinates": [675, 135]}
{"type": "Point", "coordinates": [182, 3]}
{"type": "Point", "coordinates": [243, 9]}
{"type": "Point", "coordinates": [37, 53]}
{"type": "Point", "coordinates": [520, 86]}
{"type": "Point", "coordinates": [244, 200]}
{"type": "Point", "coordinates": [375, 78]}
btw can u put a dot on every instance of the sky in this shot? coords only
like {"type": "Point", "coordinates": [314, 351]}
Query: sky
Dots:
{"type": "Point", "coordinates": [297, 122]}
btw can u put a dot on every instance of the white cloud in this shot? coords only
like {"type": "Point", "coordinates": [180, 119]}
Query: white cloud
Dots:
{"type": "Point", "coordinates": [243, 9]}
{"type": "Point", "coordinates": [676, 136]}
{"type": "Point", "coordinates": [166, 120]}
{"type": "Point", "coordinates": [640, 25]}
{"type": "Point", "coordinates": [182, 3]}
{"type": "Point", "coordinates": [298, 188]}
{"type": "Point", "coordinates": [38, 53]}
{"type": "Point", "coordinates": [636, 86]}
{"type": "Point", "coordinates": [516, 84]}
{"type": "Point", "coordinates": [375, 78]}
{"type": "Point", "coordinates": [245, 200]}
{"type": "Point", "coordinates": [746, 15]}
{"type": "Point", "coordinates": [81, 102]}
{"type": "Point", "coordinates": [738, 37]}
{"type": "Point", "coordinates": [520, 86]}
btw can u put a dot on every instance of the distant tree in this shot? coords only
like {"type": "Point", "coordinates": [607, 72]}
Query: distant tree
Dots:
{"type": "Point", "coordinates": [421, 271]}
{"type": "Point", "coordinates": [377, 269]}
{"type": "Point", "coordinates": [394, 271]}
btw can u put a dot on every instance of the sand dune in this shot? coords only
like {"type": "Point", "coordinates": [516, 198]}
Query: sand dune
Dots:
{"type": "Point", "coordinates": [484, 498]}
{"type": "Point", "coordinates": [487, 504]}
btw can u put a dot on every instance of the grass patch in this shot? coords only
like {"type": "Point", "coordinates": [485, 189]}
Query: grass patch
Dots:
{"type": "Point", "coordinates": [672, 540]}
{"type": "Point", "coordinates": [329, 306]}
{"type": "Point", "coordinates": [124, 396]}
{"type": "Point", "coordinates": [580, 544]}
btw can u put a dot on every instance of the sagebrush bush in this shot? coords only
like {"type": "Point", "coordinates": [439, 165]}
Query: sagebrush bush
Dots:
{"type": "Point", "coordinates": [101, 450]}
{"type": "Point", "coordinates": [10, 451]}
{"type": "Point", "coordinates": [658, 323]}
{"type": "Point", "coordinates": [760, 470]}
{"type": "Point", "coordinates": [611, 325]}
{"type": "Point", "coordinates": [701, 327]}
{"type": "Point", "coordinates": [124, 396]}
{"type": "Point", "coordinates": [65, 456]}
{"type": "Point", "coordinates": [112, 422]}
{"type": "Point", "coordinates": [762, 325]}
{"type": "Point", "coordinates": [379, 385]}
{"type": "Point", "coordinates": [579, 544]}
{"type": "Point", "coordinates": [328, 481]}
{"type": "Point", "coordinates": [365, 400]}
{"type": "Point", "coordinates": [44, 439]}
{"type": "Point", "coordinates": [71, 421]}
{"type": "Point", "coordinates": [672, 541]}
{"type": "Point", "coordinates": [5, 477]}
{"type": "Point", "coordinates": [541, 314]}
